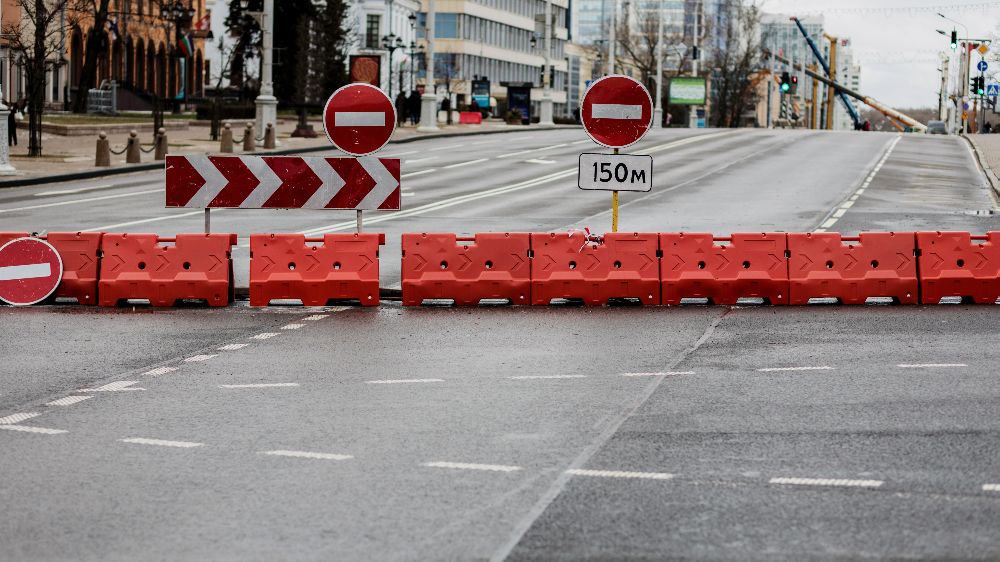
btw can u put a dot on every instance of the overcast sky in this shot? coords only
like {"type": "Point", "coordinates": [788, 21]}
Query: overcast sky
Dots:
{"type": "Point", "coordinates": [896, 41]}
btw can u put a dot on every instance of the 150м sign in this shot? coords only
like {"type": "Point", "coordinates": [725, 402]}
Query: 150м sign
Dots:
{"type": "Point", "coordinates": [615, 172]}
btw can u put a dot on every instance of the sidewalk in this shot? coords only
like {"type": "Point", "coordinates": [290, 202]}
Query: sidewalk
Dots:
{"type": "Point", "coordinates": [987, 148]}
{"type": "Point", "coordinates": [69, 155]}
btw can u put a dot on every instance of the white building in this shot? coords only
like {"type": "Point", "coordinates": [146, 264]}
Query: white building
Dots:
{"type": "Point", "coordinates": [385, 28]}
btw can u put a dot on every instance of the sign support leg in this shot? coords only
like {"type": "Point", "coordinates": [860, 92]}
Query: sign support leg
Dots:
{"type": "Point", "coordinates": [208, 220]}
{"type": "Point", "coordinates": [614, 208]}
{"type": "Point", "coordinates": [359, 221]}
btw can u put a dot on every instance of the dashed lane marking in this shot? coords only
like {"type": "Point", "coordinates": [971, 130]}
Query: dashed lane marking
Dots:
{"type": "Point", "coordinates": [308, 455]}
{"type": "Point", "coordinates": [991, 487]}
{"type": "Point", "coordinates": [420, 173]}
{"type": "Point", "coordinates": [292, 326]}
{"type": "Point", "coordinates": [68, 401]}
{"type": "Point", "coordinates": [931, 365]}
{"type": "Point", "coordinates": [843, 207]}
{"type": "Point", "coordinates": [468, 163]}
{"type": "Point", "coordinates": [233, 346]}
{"type": "Point", "coordinates": [620, 474]}
{"type": "Point", "coordinates": [781, 369]}
{"type": "Point", "coordinates": [30, 429]}
{"type": "Point", "coordinates": [18, 418]}
{"type": "Point", "coordinates": [472, 466]}
{"type": "Point", "coordinates": [161, 442]}
{"type": "Point", "coordinates": [538, 377]}
{"type": "Point", "coordinates": [160, 371]}
{"type": "Point", "coordinates": [540, 161]}
{"type": "Point", "coordinates": [315, 317]}
{"type": "Point", "coordinates": [402, 381]}
{"type": "Point", "coordinates": [664, 374]}
{"type": "Point", "coordinates": [199, 358]}
{"type": "Point", "coordinates": [828, 482]}
{"type": "Point", "coordinates": [263, 336]}
{"type": "Point", "coordinates": [117, 386]}
{"type": "Point", "coordinates": [260, 385]}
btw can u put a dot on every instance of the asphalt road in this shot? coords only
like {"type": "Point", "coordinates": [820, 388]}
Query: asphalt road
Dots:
{"type": "Point", "coordinates": [522, 433]}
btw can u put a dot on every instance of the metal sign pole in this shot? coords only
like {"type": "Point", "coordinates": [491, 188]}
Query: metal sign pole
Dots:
{"type": "Point", "coordinates": [614, 208]}
{"type": "Point", "coordinates": [359, 221]}
{"type": "Point", "coordinates": [208, 220]}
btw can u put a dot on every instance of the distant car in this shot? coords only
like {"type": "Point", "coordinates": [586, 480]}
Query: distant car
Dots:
{"type": "Point", "coordinates": [937, 128]}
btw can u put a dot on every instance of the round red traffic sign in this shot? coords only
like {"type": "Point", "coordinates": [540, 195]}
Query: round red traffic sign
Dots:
{"type": "Point", "coordinates": [359, 119]}
{"type": "Point", "coordinates": [617, 111]}
{"type": "Point", "coordinates": [30, 271]}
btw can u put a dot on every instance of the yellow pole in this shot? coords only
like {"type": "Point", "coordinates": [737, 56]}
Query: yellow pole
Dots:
{"type": "Point", "coordinates": [830, 92]}
{"type": "Point", "coordinates": [614, 208]}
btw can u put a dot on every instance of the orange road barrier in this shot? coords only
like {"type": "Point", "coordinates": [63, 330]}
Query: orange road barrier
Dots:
{"type": "Point", "coordinates": [958, 264]}
{"type": "Point", "coordinates": [80, 253]}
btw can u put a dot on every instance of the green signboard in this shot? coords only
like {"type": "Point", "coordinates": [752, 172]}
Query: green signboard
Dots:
{"type": "Point", "coordinates": [687, 91]}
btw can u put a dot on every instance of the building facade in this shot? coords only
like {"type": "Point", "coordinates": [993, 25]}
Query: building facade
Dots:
{"type": "Point", "coordinates": [379, 24]}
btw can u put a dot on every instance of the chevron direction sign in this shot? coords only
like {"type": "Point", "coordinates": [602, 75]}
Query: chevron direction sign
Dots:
{"type": "Point", "coordinates": [283, 182]}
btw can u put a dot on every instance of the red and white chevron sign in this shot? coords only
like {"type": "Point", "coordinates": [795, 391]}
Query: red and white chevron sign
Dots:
{"type": "Point", "coordinates": [283, 182]}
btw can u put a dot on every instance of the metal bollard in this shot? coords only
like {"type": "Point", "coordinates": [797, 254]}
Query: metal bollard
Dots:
{"type": "Point", "coordinates": [227, 139]}
{"type": "Point", "coordinates": [103, 158]}
{"type": "Point", "coordinates": [133, 154]}
{"type": "Point", "coordinates": [248, 139]}
{"type": "Point", "coordinates": [161, 145]}
{"type": "Point", "coordinates": [269, 136]}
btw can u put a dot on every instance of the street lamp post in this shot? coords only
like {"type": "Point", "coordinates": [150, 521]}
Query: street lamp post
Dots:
{"type": "Point", "coordinates": [267, 104]}
{"type": "Point", "coordinates": [176, 13]}
{"type": "Point", "coordinates": [545, 113]}
{"type": "Point", "coordinates": [963, 71]}
{"type": "Point", "coordinates": [412, 51]}
{"type": "Point", "coordinates": [428, 101]}
{"type": "Point", "coordinates": [390, 43]}
{"type": "Point", "coordinates": [658, 112]}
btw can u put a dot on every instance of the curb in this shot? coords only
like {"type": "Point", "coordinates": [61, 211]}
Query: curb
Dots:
{"type": "Point", "coordinates": [990, 173]}
{"type": "Point", "coordinates": [90, 174]}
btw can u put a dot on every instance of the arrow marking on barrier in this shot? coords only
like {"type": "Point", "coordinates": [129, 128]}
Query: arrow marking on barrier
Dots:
{"type": "Point", "coordinates": [385, 183]}
{"type": "Point", "coordinates": [331, 184]}
{"type": "Point", "coordinates": [214, 181]}
{"type": "Point", "coordinates": [269, 183]}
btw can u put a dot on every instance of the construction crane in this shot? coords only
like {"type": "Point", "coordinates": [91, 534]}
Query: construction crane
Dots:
{"type": "Point", "coordinates": [851, 110]}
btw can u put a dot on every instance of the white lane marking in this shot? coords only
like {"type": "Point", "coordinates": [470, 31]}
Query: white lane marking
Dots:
{"type": "Point", "coordinates": [842, 208]}
{"type": "Point", "coordinates": [849, 203]}
{"type": "Point", "coordinates": [620, 474]}
{"type": "Point", "coordinates": [839, 213]}
{"type": "Point", "coordinates": [68, 401]}
{"type": "Point", "coordinates": [854, 198]}
{"type": "Point", "coordinates": [472, 466]}
{"type": "Point", "coordinates": [664, 374]}
{"type": "Point", "coordinates": [449, 147]}
{"type": "Point", "coordinates": [828, 482]}
{"type": "Point", "coordinates": [117, 386]}
{"type": "Point", "coordinates": [160, 371]}
{"type": "Point", "coordinates": [199, 358]}
{"type": "Point", "coordinates": [860, 191]}
{"type": "Point", "coordinates": [18, 418]}
{"type": "Point", "coordinates": [75, 201]}
{"type": "Point", "coordinates": [145, 221]}
{"type": "Point", "coordinates": [359, 119]}
{"type": "Point", "coordinates": [615, 111]}
{"type": "Point", "coordinates": [398, 154]}
{"type": "Point", "coordinates": [931, 365]}
{"type": "Point", "coordinates": [408, 194]}
{"type": "Point", "coordinates": [518, 153]}
{"type": "Point", "coordinates": [315, 317]}
{"type": "Point", "coordinates": [233, 346]}
{"type": "Point", "coordinates": [829, 223]}
{"type": "Point", "coordinates": [292, 326]}
{"type": "Point", "coordinates": [29, 271]}
{"type": "Point", "coordinates": [536, 377]}
{"type": "Point", "coordinates": [581, 141]}
{"type": "Point", "coordinates": [459, 199]}
{"type": "Point", "coordinates": [263, 336]}
{"type": "Point", "coordinates": [308, 455]}
{"type": "Point", "coordinates": [73, 191]}
{"type": "Point", "coordinates": [460, 164]}
{"type": "Point", "coordinates": [991, 487]}
{"type": "Point", "coordinates": [540, 161]}
{"type": "Point", "coordinates": [260, 385]}
{"type": "Point", "coordinates": [419, 160]}
{"type": "Point", "coordinates": [161, 442]}
{"type": "Point", "coordinates": [31, 429]}
{"type": "Point", "coordinates": [780, 369]}
{"type": "Point", "coordinates": [420, 173]}
{"type": "Point", "coordinates": [401, 381]}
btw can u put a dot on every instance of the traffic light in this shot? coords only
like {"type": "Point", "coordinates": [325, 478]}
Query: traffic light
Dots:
{"type": "Point", "coordinates": [954, 39]}
{"type": "Point", "coordinates": [794, 86]}
{"type": "Point", "coordinates": [978, 85]}
{"type": "Point", "coordinates": [786, 82]}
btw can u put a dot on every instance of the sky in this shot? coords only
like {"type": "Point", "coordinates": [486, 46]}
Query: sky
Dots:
{"type": "Point", "coordinates": [896, 42]}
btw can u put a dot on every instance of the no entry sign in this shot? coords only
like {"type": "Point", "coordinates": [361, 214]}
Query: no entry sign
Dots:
{"type": "Point", "coordinates": [359, 119]}
{"type": "Point", "coordinates": [617, 111]}
{"type": "Point", "coordinates": [30, 271]}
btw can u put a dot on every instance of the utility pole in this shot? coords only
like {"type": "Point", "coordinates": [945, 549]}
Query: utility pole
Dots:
{"type": "Point", "coordinates": [428, 101]}
{"type": "Point", "coordinates": [830, 93]}
{"type": "Point", "coordinates": [611, 36]}
{"type": "Point", "coordinates": [943, 94]}
{"type": "Point", "coordinates": [658, 112]}
{"type": "Point", "coordinates": [6, 169]}
{"type": "Point", "coordinates": [693, 119]}
{"type": "Point", "coordinates": [267, 104]}
{"type": "Point", "coordinates": [545, 115]}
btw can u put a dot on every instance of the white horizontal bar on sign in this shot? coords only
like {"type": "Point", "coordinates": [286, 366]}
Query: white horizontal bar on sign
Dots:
{"type": "Point", "coordinates": [615, 111]}
{"type": "Point", "coordinates": [30, 271]}
{"type": "Point", "coordinates": [359, 119]}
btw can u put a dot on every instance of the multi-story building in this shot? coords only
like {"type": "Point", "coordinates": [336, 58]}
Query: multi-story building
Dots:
{"type": "Point", "coordinates": [387, 30]}
{"type": "Point", "coordinates": [782, 36]}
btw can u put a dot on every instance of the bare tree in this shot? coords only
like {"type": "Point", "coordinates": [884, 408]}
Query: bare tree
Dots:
{"type": "Point", "coordinates": [638, 44]}
{"type": "Point", "coordinates": [36, 40]}
{"type": "Point", "coordinates": [738, 59]}
{"type": "Point", "coordinates": [97, 46]}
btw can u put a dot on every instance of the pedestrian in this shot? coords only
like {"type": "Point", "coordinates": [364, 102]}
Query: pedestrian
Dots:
{"type": "Point", "coordinates": [401, 108]}
{"type": "Point", "coordinates": [987, 128]}
{"type": "Point", "coordinates": [12, 125]}
{"type": "Point", "coordinates": [414, 107]}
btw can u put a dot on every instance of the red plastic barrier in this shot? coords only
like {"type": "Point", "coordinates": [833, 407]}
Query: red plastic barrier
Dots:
{"type": "Point", "coordinates": [957, 264]}
{"type": "Point", "coordinates": [80, 253]}
{"type": "Point", "coordinates": [140, 266]}
{"type": "Point", "coordinates": [470, 118]}
{"type": "Point", "coordinates": [314, 270]}
{"type": "Point", "coordinates": [874, 264]}
{"type": "Point", "coordinates": [488, 266]}
{"type": "Point", "coordinates": [621, 266]}
{"type": "Point", "coordinates": [744, 266]}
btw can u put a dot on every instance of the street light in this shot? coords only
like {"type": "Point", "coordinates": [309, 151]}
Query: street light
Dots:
{"type": "Point", "coordinates": [412, 51]}
{"type": "Point", "coordinates": [177, 14]}
{"type": "Point", "coordinates": [390, 43]}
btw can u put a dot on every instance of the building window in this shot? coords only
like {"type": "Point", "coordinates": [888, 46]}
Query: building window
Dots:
{"type": "Point", "coordinates": [446, 26]}
{"type": "Point", "coordinates": [372, 31]}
